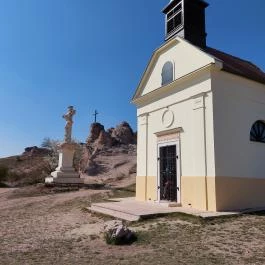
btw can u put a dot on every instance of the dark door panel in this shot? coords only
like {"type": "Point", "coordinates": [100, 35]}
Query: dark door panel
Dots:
{"type": "Point", "coordinates": [168, 173]}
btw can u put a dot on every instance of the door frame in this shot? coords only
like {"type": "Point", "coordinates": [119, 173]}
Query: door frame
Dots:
{"type": "Point", "coordinates": [169, 143]}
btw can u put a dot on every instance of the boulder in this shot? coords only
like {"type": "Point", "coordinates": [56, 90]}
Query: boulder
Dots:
{"type": "Point", "coordinates": [116, 233]}
{"type": "Point", "coordinates": [123, 134]}
{"type": "Point", "coordinates": [95, 130]}
{"type": "Point", "coordinates": [104, 139]}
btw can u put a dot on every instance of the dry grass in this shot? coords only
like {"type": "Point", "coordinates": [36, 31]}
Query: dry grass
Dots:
{"type": "Point", "coordinates": [25, 170]}
{"type": "Point", "coordinates": [54, 229]}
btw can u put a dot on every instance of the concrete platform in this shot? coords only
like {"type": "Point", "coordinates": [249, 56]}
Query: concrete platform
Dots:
{"type": "Point", "coordinates": [64, 180]}
{"type": "Point", "coordinates": [131, 210]}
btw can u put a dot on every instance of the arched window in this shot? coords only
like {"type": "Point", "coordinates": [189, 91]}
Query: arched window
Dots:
{"type": "Point", "coordinates": [167, 73]}
{"type": "Point", "coordinates": [257, 133]}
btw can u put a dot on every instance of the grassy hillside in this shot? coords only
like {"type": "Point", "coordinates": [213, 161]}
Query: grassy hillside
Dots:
{"type": "Point", "coordinates": [25, 169]}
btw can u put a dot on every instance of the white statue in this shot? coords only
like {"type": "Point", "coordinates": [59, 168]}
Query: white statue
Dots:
{"type": "Point", "coordinates": [69, 123]}
{"type": "Point", "coordinates": [65, 173]}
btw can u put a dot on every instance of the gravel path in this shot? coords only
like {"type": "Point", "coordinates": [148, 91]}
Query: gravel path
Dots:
{"type": "Point", "coordinates": [51, 229]}
{"type": "Point", "coordinates": [55, 229]}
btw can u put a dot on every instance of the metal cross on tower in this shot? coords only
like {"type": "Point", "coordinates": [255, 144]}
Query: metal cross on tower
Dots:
{"type": "Point", "coordinates": [95, 114]}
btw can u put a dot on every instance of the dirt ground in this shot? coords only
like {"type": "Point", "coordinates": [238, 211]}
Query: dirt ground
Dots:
{"type": "Point", "coordinates": [55, 228]}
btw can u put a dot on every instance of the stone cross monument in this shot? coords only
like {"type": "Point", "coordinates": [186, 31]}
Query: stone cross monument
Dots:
{"type": "Point", "coordinates": [95, 115]}
{"type": "Point", "coordinates": [65, 173]}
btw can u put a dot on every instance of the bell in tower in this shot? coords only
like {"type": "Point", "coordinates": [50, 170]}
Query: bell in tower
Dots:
{"type": "Point", "coordinates": [186, 18]}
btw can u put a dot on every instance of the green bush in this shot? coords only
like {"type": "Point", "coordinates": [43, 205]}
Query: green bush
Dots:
{"type": "Point", "coordinates": [124, 240]}
{"type": "Point", "coordinates": [18, 159]}
{"type": "Point", "coordinates": [3, 173]}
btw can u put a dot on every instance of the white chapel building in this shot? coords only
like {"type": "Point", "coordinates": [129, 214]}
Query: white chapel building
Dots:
{"type": "Point", "coordinates": [201, 121]}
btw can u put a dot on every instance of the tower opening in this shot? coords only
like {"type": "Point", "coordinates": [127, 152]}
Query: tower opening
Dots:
{"type": "Point", "coordinates": [186, 18]}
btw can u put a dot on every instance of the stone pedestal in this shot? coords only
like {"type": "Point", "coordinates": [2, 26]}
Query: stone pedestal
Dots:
{"type": "Point", "coordinates": [65, 173]}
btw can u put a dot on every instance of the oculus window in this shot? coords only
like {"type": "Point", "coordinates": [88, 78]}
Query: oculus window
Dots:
{"type": "Point", "coordinates": [167, 73]}
{"type": "Point", "coordinates": [257, 133]}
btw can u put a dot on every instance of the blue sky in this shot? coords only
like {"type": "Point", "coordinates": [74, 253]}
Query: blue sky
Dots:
{"type": "Point", "coordinates": [91, 54]}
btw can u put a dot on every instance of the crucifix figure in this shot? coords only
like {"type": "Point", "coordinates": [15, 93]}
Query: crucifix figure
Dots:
{"type": "Point", "coordinates": [95, 114]}
{"type": "Point", "coordinates": [69, 123]}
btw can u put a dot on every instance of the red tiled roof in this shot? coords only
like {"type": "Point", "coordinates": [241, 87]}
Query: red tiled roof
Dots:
{"type": "Point", "coordinates": [238, 66]}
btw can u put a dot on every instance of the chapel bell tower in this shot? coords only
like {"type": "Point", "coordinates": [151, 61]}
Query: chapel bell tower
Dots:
{"type": "Point", "coordinates": [186, 18]}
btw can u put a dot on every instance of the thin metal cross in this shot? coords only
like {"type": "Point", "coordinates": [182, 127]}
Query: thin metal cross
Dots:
{"type": "Point", "coordinates": [95, 114]}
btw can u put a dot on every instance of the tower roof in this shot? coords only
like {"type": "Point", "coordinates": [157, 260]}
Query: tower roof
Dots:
{"type": "Point", "coordinates": [186, 19]}
{"type": "Point", "coordinates": [173, 3]}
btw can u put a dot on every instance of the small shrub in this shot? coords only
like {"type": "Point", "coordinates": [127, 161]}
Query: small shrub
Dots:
{"type": "Point", "coordinates": [18, 159]}
{"type": "Point", "coordinates": [3, 173]}
{"type": "Point", "coordinates": [119, 241]}
{"type": "Point", "coordinates": [116, 233]}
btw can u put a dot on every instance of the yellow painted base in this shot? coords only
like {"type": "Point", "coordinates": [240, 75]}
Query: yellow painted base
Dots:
{"type": "Point", "coordinates": [210, 193]}
{"type": "Point", "coordinates": [193, 193]}
{"type": "Point", "coordinates": [140, 188]}
{"type": "Point", "coordinates": [239, 193]}
{"type": "Point", "coordinates": [146, 188]}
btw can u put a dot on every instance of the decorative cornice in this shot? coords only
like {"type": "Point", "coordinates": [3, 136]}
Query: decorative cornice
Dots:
{"type": "Point", "coordinates": [171, 131]}
{"type": "Point", "coordinates": [163, 91]}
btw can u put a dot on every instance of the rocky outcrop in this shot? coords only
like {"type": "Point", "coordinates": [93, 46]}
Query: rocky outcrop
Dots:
{"type": "Point", "coordinates": [36, 151]}
{"type": "Point", "coordinates": [104, 139]}
{"type": "Point", "coordinates": [99, 140]}
{"type": "Point", "coordinates": [95, 130]}
{"type": "Point", "coordinates": [123, 134]}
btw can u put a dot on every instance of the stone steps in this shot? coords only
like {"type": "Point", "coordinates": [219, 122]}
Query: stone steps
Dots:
{"type": "Point", "coordinates": [102, 209]}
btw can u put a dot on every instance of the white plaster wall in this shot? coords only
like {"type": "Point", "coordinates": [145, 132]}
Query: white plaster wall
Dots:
{"type": "Point", "coordinates": [238, 103]}
{"type": "Point", "coordinates": [209, 135]}
{"type": "Point", "coordinates": [195, 85]}
{"type": "Point", "coordinates": [186, 59]}
{"type": "Point", "coordinates": [197, 153]}
{"type": "Point", "coordinates": [142, 127]}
